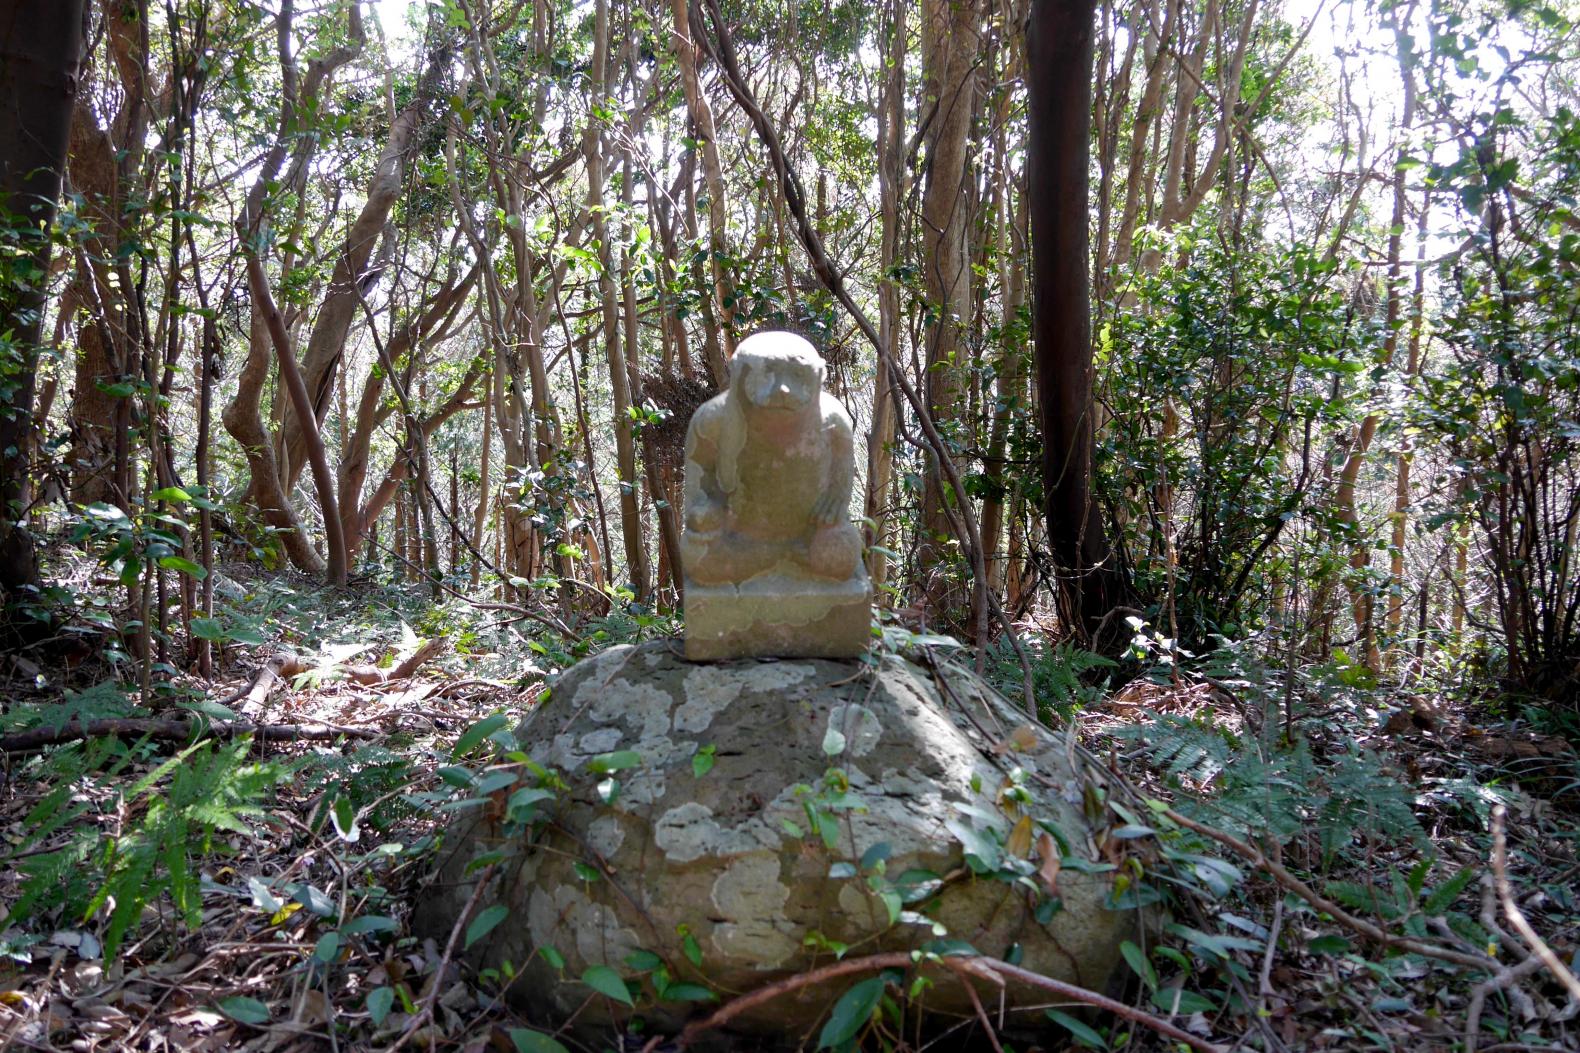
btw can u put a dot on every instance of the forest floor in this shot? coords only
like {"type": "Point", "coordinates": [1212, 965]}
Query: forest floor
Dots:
{"type": "Point", "coordinates": [242, 894]}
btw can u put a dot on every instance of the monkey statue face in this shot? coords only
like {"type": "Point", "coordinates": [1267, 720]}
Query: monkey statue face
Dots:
{"type": "Point", "coordinates": [776, 371]}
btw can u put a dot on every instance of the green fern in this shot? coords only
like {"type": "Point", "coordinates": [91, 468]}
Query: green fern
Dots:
{"type": "Point", "coordinates": [176, 808]}
{"type": "Point", "coordinates": [1278, 792]}
{"type": "Point", "coordinates": [369, 773]}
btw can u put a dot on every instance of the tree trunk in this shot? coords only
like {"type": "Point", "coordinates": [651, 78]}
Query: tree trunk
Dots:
{"type": "Point", "coordinates": [619, 376]}
{"type": "Point", "coordinates": [480, 517]}
{"type": "Point", "coordinates": [891, 176]}
{"type": "Point", "coordinates": [1362, 599]}
{"type": "Point", "coordinates": [949, 53]}
{"type": "Point", "coordinates": [1059, 96]}
{"type": "Point", "coordinates": [720, 336]}
{"type": "Point", "coordinates": [40, 52]}
{"type": "Point", "coordinates": [334, 539]}
{"type": "Point", "coordinates": [355, 272]}
{"type": "Point", "coordinates": [105, 171]}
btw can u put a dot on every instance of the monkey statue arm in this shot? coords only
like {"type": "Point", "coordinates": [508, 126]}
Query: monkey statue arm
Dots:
{"type": "Point", "coordinates": [833, 507]}
{"type": "Point", "coordinates": [705, 500]}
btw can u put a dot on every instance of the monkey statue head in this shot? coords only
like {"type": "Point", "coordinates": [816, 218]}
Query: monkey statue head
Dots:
{"type": "Point", "coordinates": [776, 371]}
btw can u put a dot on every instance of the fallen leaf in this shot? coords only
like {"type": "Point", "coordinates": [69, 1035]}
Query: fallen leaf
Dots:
{"type": "Point", "coordinates": [1048, 849]}
{"type": "Point", "coordinates": [1019, 844]}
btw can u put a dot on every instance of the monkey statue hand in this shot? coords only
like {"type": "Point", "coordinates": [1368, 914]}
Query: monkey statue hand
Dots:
{"type": "Point", "coordinates": [705, 516]}
{"type": "Point", "coordinates": [829, 510]}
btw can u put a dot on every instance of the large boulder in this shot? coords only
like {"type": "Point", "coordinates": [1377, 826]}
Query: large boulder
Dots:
{"type": "Point", "coordinates": [744, 821]}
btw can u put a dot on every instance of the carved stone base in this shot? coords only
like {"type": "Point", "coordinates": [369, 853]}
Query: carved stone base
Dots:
{"type": "Point", "coordinates": [778, 615]}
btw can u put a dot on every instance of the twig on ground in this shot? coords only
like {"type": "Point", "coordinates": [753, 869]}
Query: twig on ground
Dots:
{"type": "Point", "coordinates": [974, 965]}
{"type": "Point", "coordinates": [1500, 874]}
{"type": "Point", "coordinates": [425, 1014]}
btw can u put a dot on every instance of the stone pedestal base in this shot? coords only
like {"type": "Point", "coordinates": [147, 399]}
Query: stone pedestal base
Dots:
{"type": "Point", "coordinates": [780, 616]}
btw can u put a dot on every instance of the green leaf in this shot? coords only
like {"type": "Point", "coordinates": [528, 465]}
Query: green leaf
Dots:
{"type": "Point", "coordinates": [606, 981]}
{"type": "Point", "coordinates": [344, 818]}
{"type": "Point", "coordinates": [369, 923]}
{"type": "Point", "coordinates": [523, 803]}
{"type": "Point", "coordinates": [619, 760]}
{"type": "Point", "coordinates": [245, 1010]}
{"type": "Point", "coordinates": [1328, 945]}
{"type": "Point", "coordinates": [978, 845]}
{"type": "Point", "coordinates": [477, 733]}
{"type": "Point", "coordinates": [314, 900]}
{"type": "Point", "coordinates": [248, 634]}
{"type": "Point", "coordinates": [173, 494]}
{"type": "Point", "coordinates": [688, 993]}
{"type": "Point", "coordinates": [485, 921]}
{"type": "Point", "coordinates": [643, 961]}
{"type": "Point", "coordinates": [1138, 962]}
{"type": "Point", "coordinates": [534, 1042]}
{"type": "Point", "coordinates": [380, 1001]}
{"type": "Point", "coordinates": [851, 1013]}
{"type": "Point", "coordinates": [185, 566]}
{"type": "Point", "coordinates": [1083, 1034]}
{"type": "Point", "coordinates": [549, 954]}
{"type": "Point", "coordinates": [328, 947]}
{"type": "Point", "coordinates": [1189, 1001]}
{"type": "Point", "coordinates": [208, 629]}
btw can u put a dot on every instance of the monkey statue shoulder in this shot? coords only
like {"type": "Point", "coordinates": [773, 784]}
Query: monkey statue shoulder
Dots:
{"type": "Point", "coordinates": [771, 560]}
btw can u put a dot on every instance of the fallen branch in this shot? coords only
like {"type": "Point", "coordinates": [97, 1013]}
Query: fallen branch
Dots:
{"type": "Point", "coordinates": [180, 730]}
{"type": "Point", "coordinates": [1538, 946]}
{"type": "Point", "coordinates": [286, 664]}
{"type": "Point", "coordinates": [962, 966]}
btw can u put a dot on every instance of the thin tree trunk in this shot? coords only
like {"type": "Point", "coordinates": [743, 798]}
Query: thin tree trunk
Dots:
{"type": "Point", "coordinates": [480, 517]}
{"type": "Point", "coordinates": [720, 339]}
{"type": "Point", "coordinates": [619, 376]}
{"type": "Point", "coordinates": [1059, 83]}
{"type": "Point", "coordinates": [949, 55]}
{"type": "Point", "coordinates": [1362, 599]}
{"type": "Point", "coordinates": [891, 174]}
{"type": "Point", "coordinates": [324, 481]}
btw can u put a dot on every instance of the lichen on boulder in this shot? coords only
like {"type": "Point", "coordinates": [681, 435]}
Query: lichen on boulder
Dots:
{"type": "Point", "coordinates": [705, 829]}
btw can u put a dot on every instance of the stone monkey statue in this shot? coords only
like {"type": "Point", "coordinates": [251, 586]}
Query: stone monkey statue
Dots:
{"type": "Point", "coordinates": [769, 469]}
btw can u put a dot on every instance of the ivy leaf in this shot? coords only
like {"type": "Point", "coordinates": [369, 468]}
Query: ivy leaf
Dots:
{"type": "Point", "coordinates": [485, 921]}
{"type": "Point", "coordinates": [380, 1001]}
{"type": "Point", "coordinates": [616, 761]}
{"type": "Point", "coordinates": [477, 733]}
{"type": "Point", "coordinates": [688, 993]}
{"type": "Point", "coordinates": [534, 1042]}
{"type": "Point", "coordinates": [327, 949]}
{"type": "Point", "coordinates": [607, 982]}
{"type": "Point", "coordinates": [185, 566]}
{"type": "Point", "coordinates": [1138, 962]}
{"type": "Point", "coordinates": [1083, 1034]}
{"type": "Point", "coordinates": [245, 1010]}
{"type": "Point", "coordinates": [1189, 1001]}
{"type": "Point", "coordinates": [851, 1013]}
